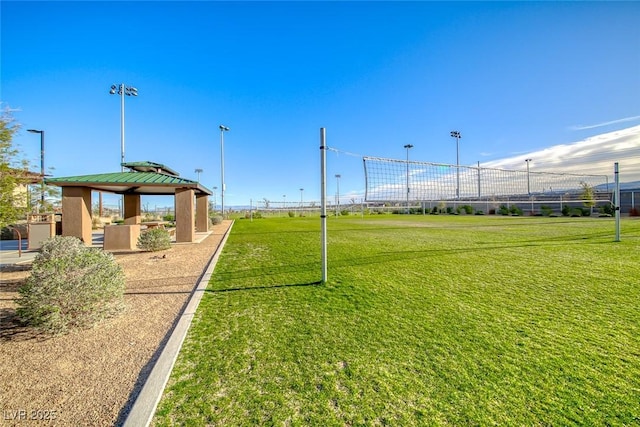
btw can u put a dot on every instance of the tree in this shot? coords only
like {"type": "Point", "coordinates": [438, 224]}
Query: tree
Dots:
{"type": "Point", "coordinates": [588, 195]}
{"type": "Point", "coordinates": [13, 173]}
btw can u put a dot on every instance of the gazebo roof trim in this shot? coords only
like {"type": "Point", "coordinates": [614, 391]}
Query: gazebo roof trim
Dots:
{"type": "Point", "coordinates": [148, 166]}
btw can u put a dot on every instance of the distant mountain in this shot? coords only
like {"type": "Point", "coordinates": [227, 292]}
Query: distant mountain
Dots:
{"type": "Point", "coordinates": [624, 186]}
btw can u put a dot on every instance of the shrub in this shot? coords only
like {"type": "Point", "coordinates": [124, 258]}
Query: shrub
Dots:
{"type": "Point", "coordinates": [249, 215]}
{"type": "Point", "coordinates": [291, 214]}
{"type": "Point", "coordinates": [515, 210]}
{"type": "Point", "coordinates": [566, 210]}
{"type": "Point", "coordinates": [345, 212]}
{"type": "Point", "coordinates": [607, 209]}
{"type": "Point", "coordinates": [504, 210]}
{"type": "Point", "coordinates": [479, 212]}
{"type": "Point", "coordinates": [169, 217]}
{"type": "Point", "coordinates": [215, 220]}
{"type": "Point", "coordinates": [70, 286]}
{"type": "Point", "coordinates": [154, 239]}
{"type": "Point", "coordinates": [546, 210]}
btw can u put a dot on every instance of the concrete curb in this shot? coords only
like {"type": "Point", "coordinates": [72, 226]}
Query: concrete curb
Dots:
{"type": "Point", "coordinates": [145, 405]}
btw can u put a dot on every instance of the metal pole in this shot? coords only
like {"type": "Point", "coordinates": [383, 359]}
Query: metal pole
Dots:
{"type": "Point", "coordinates": [478, 180]}
{"type": "Point", "coordinates": [121, 127]}
{"type": "Point", "coordinates": [338, 176]}
{"type": "Point", "coordinates": [323, 202]}
{"type": "Point", "coordinates": [223, 129]}
{"type": "Point", "coordinates": [458, 166]}
{"type": "Point", "coordinates": [222, 171]}
{"type": "Point", "coordinates": [42, 169]}
{"type": "Point", "coordinates": [617, 200]}
{"type": "Point", "coordinates": [408, 146]}
{"type": "Point", "coordinates": [528, 178]}
{"type": "Point", "coordinates": [457, 136]}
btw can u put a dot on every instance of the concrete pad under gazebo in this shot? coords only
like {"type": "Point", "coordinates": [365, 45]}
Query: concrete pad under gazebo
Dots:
{"type": "Point", "coordinates": [142, 178]}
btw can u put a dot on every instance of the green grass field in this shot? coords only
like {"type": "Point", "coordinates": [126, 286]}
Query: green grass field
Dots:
{"type": "Point", "coordinates": [425, 320]}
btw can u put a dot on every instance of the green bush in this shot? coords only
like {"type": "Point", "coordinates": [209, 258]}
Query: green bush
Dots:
{"type": "Point", "coordinates": [154, 239]}
{"type": "Point", "coordinates": [607, 209]}
{"type": "Point", "coordinates": [70, 286]}
{"type": "Point", "coordinates": [215, 220]}
{"type": "Point", "coordinates": [575, 212]}
{"type": "Point", "coordinates": [345, 212]}
{"type": "Point", "coordinates": [291, 214]}
{"type": "Point", "coordinates": [504, 210]}
{"type": "Point", "coordinates": [169, 217]}
{"type": "Point", "coordinates": [254, 215]}
{"type": "Point", "coordinates": [515, 210]}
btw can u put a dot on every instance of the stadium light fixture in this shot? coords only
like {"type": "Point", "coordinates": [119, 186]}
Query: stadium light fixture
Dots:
{"type": "Point", "coordinates": [455, 134]}
{"type": "Point", "coordinates": [301, 190]}
{"type": "Point", "coordinates": [122, 90]}
{"type": "Point", "coordinates": [41, 132]}
{"type": "Point", "coordinates": [223, 129]}
{"type": "Point", "coordinates": [215, 204]}
{"type": "Point", "coordinates": [199, 171]}
{"type": "Point", "coordinates": [408, 147]}
{"type": "Point", "coordinates": [528, 179]}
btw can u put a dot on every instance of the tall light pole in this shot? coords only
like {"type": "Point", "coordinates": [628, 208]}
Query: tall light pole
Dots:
{"type": "Point", "coordinates": [41, 132]}
{"type": "Point", "coordinates": [199, 171]}
{"type": "Point", "coordinates": [408, 147]}
{"type": "Point", "coordinates": [455, 134]}
{"type": "Point", "coordinates": [122, 90]}
{"type": "Point", "coordinates": [284, 203]}
{"type": "Point", "coordinates": [223, 129]}
{"type": "Point", "coordinates": [215, 203]}
{"type": "Point", "coordinates": [301, 190]}
{"type": "Point", "coordinates": [528, 180]}
{"type": "Point", "coordinates": [338, 176]}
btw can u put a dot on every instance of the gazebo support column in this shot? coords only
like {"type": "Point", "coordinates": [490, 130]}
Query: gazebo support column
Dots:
{"type": "Point", "coordinates": [132, 209]}
{"type": "Point", "coordinates": [185, 217]}
{"type": "Point", "coordinates": [76, 213]}
{"type": "Point", "coordinates": [202, 213]}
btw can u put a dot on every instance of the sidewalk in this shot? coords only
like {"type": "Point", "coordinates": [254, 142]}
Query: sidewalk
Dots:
{"type": "Point", "coordinates": [9, 254]}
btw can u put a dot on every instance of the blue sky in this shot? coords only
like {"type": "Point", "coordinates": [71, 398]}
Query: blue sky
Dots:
{"type": "Point", "coordinates": [514, 78]}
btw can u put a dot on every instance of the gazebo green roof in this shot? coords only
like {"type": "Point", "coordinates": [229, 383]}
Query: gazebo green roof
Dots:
{"type": "Point", "coordinates": [139, 180]}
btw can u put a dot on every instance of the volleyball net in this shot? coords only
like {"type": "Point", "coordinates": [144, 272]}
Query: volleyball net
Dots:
{"type": "Point", "coordinates": [392, 180]}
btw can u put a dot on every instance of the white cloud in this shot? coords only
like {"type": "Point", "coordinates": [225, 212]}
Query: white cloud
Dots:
{"type": "Point", "coordinates": [598, 125]}
{"type": "Point", "coordinates": [593, 155]}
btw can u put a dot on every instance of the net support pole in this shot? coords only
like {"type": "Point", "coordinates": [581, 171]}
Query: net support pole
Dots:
{"type": "Point", "coordinates": [323, 202]}
{"type": "Point", "coordinates": [617, 199]}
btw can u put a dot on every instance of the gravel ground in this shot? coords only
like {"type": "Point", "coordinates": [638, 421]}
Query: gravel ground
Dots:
{"type": "Point", "coordinates": [91, 377]}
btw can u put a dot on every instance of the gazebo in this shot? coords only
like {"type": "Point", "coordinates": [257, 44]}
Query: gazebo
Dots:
{"type": "Point", "coordinates": [141, 178]}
